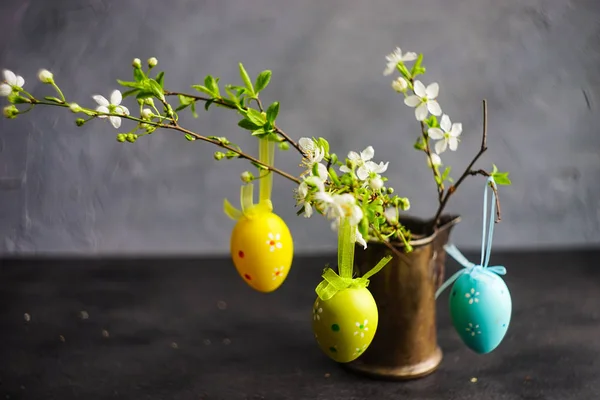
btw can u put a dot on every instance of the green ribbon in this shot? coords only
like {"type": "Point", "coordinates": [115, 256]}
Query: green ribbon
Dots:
{"type": "Point", "coordinates": [266, 154]}
{"type": "Point", "coordinates": [332, 282]}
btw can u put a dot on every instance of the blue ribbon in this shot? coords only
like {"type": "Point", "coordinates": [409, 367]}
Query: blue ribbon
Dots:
{"type": "Point", "coordinates": [486, 246]}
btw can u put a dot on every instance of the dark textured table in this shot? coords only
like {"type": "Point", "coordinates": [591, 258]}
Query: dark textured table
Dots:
{"type": "Point", "coordinates": [191, 329]}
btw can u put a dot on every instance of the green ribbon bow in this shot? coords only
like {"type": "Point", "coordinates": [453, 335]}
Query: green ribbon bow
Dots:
{"type": "Point", "coordinates": [266, 154]}
{"type": "Point", "coordinates": [332, 282]}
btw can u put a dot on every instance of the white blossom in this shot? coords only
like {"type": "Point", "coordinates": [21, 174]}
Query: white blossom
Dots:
{"type": "Point", "coordinates": [366, 167]}
{"type": "Point", "coordinates": [301, 194]}
{"type": "Point", "coordinates": [396, 57]}
{"type": "Point", "coordinates": [12, 83]}
{"type": "Point", "coordinates": [114, 106]}
{"type": "Point", "coordinates": [341, 206]}
{"type": "Point", "coordinates": [400, 85]}
{"type": "Point", "coordinates": [313, 154]}
{"type": "Point", "coordinates": [447, 136]}
{"type": "Point", "coordinates": [424, 100]}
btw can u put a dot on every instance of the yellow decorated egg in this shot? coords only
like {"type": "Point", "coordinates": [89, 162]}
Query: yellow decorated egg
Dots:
{"type": "Point", "coordinates": [262, 250]}
{"type": "Point", "coordinates": [344, 326]}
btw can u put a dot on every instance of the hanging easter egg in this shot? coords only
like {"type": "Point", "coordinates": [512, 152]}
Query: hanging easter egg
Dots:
{"type": "Point", "coordinates": [344, 326]}
{"type": "Point", "coordinates": [480, 303]}
{"type": "Point", "coordinates": [262, 250]}
{"type": "Point", "coordinates": [480, 308]}
{"type": "Point", "coordinates": [261, 244]}
{"type": "Point", "coordinates": [345, 314]}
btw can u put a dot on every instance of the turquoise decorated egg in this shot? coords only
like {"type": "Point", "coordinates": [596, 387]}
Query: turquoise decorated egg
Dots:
{"type": "Point", "coordinates": [480, 308]}
{"type": "Point", "coordinates": [344, 326]}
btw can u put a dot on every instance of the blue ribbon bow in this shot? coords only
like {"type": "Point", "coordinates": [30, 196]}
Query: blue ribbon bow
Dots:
{"type": "Point", "coordinates": [486, 246]}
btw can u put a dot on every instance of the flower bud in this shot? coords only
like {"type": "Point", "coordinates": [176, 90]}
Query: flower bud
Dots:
{"type": "Point", "coordinates": [148, 101]}
{"type": "Point", "coordinates": [10, 112]}
{"type": "Point", "coordinates": [404, 203]}
{"type": "Point", "coordinates": [137, 63]}
{"type": "Point", "coordinates": [284, 146]}
{"type": "Point", "coordinates": [219, 155]}
{"type": "Point", "coordinates": [400, 85]}
{"type": "Point", "coordinates": [146, 113]}
{"type": "Point", "coordinates": [74, 107]}
{"type": "Point", "coordinates": [121, 137]}
{"type": "Point", "coordinates": [376, 183]}
{"type": "Point", "coordinates": [79, 121]}
{"type": "Point", "coordinates": [131, 137]}
{"type": "Point", "coordinates": [152, 62]}
{"type": "Point", "coordinates": [390, 190]}
{"type": "Point", "coordinates": [45, 76]}
{"type": "Point", "coordinates": [247, 177]}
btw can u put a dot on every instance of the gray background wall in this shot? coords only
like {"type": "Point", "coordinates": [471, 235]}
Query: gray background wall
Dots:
{"type": "Point", "coordinates": [69, 189]}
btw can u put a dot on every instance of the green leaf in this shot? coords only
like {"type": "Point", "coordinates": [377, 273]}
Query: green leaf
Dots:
{"type": "Point", "coordinates": [193, 108]}
{"type": "Point", "coordinates": [248, 125]}
{"type": "Point", "coordinates": [417, 65]}
{"type": "Point", "coordinates": [432, 122]}
{"type": "Point", "coordinates": [54, 99]}
{"type": "Point", "coordinates": [202, 89]}
{"type": "Point", "coordinates": [189, 137]}
{"type": "Point", "coordinates": [446, 173]}
{"type": "Point", "coordinates": [130, 93]}
{"type": "Point", "coordinates": [419, 144]}
{"type": "Point", "coordinates": [262, 80]}
{"type": "Point", "coordinates": [208, 103]}
{"type": "Point", "coordinates": [212, 84]}
{"type": "Point", "coordinates": [334, 176]}
{"type": "Point", "coordinates": [259, 132]}
{"type": "Point", "coordinates": [144, 94]}
{"type": "Point", "coordinates": [501, 178]}
{"type": "Point", "coordinates": [256, 117]}
{"type": "Point", "coordinates": [246, 79]}
{"type": "Point", "coordinates": [184, 101]}
{"type": "Point", "coordinates": [272, 112]}
{"type": "Point", "coordinates": [134, 85]}
{"type": "Point", "coordinates": [156, 89]}
{"type": "Point", "coordinates": [160, 78]}
{"type": "Point", "coordinates": [139, 75]}
{"type": "Point", "coordinates": [403, 70]}
{"type": "Point", "coordinates": [233, 96]}
{"type": "Point", "coordinates": [363, 228]}
{"type": "Point", "coordinates": [323, 143]}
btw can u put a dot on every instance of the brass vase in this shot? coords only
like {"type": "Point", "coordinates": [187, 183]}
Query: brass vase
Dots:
{"type": "Point", "coordinates": [405, 344]}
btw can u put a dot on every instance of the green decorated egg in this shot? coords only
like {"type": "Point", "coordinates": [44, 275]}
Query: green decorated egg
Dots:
{"type": "Point", "coordinates": [345, 325]}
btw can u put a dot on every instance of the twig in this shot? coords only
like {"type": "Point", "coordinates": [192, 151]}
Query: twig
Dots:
{"type": "Point", "coordinates": [468, 171]}
{"type": "Point", "coordinates": [494, 189]}
{"type": "Point", "coordinates": [177, 127]}
{"type": "Point", "coordinates": [233, 149]}
{"type": "Point", "coordinates": [277, 130]}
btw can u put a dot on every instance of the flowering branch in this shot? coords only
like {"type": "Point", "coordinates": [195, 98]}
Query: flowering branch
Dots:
{"type": "Point", "coordinates": [340, 189]}
{"type": "Point", "coordinates": [445, 132]}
